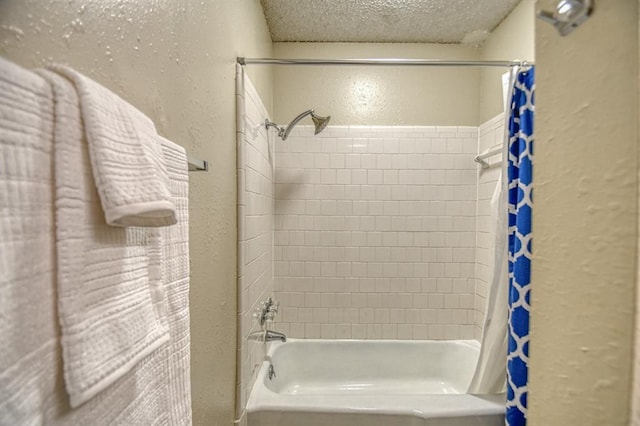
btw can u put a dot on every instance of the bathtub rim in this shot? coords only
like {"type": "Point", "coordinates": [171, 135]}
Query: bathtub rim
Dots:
{"type": "Point", "coordinates": [426, 406]}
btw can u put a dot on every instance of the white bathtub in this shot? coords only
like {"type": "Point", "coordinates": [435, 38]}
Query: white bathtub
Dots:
{"type": "Point", "coordinates": [372, 383]}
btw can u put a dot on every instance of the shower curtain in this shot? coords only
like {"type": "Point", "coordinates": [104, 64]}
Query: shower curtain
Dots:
{"type": "Point", "coordinates": [490, 375]}
{"type": "Point", "coordinates": [519, 173]}
{"type": "Point", "coordinates": [505, 335]}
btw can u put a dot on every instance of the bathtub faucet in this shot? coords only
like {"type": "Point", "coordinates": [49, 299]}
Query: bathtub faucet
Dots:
{"type": "Point", "coordinates": [267, 336]}
{"type": "Point", "coordinates": [270, 336]}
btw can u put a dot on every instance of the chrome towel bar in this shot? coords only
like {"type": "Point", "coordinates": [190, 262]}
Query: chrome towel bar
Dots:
{"type": "Point", "coordinates": [197, 165]}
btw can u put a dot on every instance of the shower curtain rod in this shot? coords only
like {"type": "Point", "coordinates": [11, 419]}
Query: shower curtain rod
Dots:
{"type": "Point", "coordinates": [385, 61]}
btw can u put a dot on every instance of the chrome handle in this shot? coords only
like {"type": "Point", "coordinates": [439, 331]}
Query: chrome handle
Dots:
{"type": "Point", "coordinates": [273, 310]}
{"type": "Point", "coordinates": [267, 311]}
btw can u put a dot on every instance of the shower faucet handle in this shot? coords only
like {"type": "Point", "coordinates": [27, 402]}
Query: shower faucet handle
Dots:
{"type": "Point", "coordinates": [267, 310]}
{"type": "Point", "coordinates": [272, 311]}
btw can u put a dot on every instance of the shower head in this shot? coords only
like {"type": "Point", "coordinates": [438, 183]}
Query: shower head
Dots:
{"type": "Point", "coordinates": [319, 122]}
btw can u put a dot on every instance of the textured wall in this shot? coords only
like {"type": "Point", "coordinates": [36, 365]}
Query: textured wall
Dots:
{"type": "Point", "coordinates": [375, 232]}
{"type": "Point", "coordinates": [174, 61]}
{"type": "Point", "coordinates": [512, 39]}
{"type": "Point", "coordinates": [585, 219]}
{"type": "Point", "coordinates": [378, 95]}
{"type": "Point", "coordinates": [635, 416]}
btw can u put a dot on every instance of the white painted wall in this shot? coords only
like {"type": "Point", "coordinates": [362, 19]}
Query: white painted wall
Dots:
{"type": "Point", "coordinates": [585, 219]}
{"type": "Point", "coordinates": [175, 61]}
{"type": "Point", "coordinates": [365, 95]}
{"type": "Point", "coordinates": [402, 95]}
{"type": "Point", "coordinates": [635, 401]}
{"type": "Point", "coordinates": [512, 39]}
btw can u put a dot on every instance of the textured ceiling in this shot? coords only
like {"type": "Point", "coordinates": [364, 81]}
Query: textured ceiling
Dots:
{"type": "Point", "coordinates": [410, 21]}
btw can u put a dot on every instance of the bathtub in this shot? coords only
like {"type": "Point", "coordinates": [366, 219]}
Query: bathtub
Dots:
{"type": "Point", "coordinates": [372, 383]}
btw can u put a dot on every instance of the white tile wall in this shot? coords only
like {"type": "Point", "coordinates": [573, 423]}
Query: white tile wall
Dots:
{"type": "Point", "coordinates": [491, 135]}
{"type": "Point", "coordinates": [255, 227]}
{"type": "Point", "coordinates": [375, 232]}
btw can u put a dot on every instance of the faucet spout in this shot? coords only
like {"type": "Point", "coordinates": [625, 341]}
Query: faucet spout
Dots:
{"type": "Point", "coordinates": [268, 336]}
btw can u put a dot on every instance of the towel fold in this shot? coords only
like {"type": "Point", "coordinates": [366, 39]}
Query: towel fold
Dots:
{"type": "Point", "coordinates": [175, 276]}
{"type": "Point", "coordinates": [126, 158]}
{"type": "Point", "coordinates": [109, 280]}
{"type": "Point", "coordinates": [28, 324]}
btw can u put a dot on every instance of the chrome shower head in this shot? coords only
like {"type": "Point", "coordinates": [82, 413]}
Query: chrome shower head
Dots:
{"type": "Point", "coordinates": [319, 122]}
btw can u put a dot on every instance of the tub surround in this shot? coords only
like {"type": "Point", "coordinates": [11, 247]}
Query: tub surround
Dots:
{"type": "Point", "coordinates": [490, 136]}
{"type": "Point", "coordinates": [381, 232]}
{"type": "Point", "coordinates": [255, 230]}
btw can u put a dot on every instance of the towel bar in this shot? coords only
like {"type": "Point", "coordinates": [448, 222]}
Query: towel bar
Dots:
{"type": "Point", "coordinates": [197, 165]}
{"type": "Point", "coordinates": [483, 157]}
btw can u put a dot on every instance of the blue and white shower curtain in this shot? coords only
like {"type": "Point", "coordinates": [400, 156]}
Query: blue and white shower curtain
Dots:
{"type": "Point", "coordinates": [519, 173]}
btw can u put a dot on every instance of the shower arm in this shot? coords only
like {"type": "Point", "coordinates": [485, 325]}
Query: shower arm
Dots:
{"type": "Point", "coordinates": [283, 132]}
{"type": "Point", "coordinates": [268, 124]}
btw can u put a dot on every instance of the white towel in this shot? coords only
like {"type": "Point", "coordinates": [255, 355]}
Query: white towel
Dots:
{"type": "Point", "coordinates": [126, 157]}
{"type": "Point", "coordinates": [175, 276]}
{"type": "Point", "coordinates": [109, 280]}
{"type": "Point", "coordinates": [28, 323]}
{"type": "Point", "coordinates": [156, 390]}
